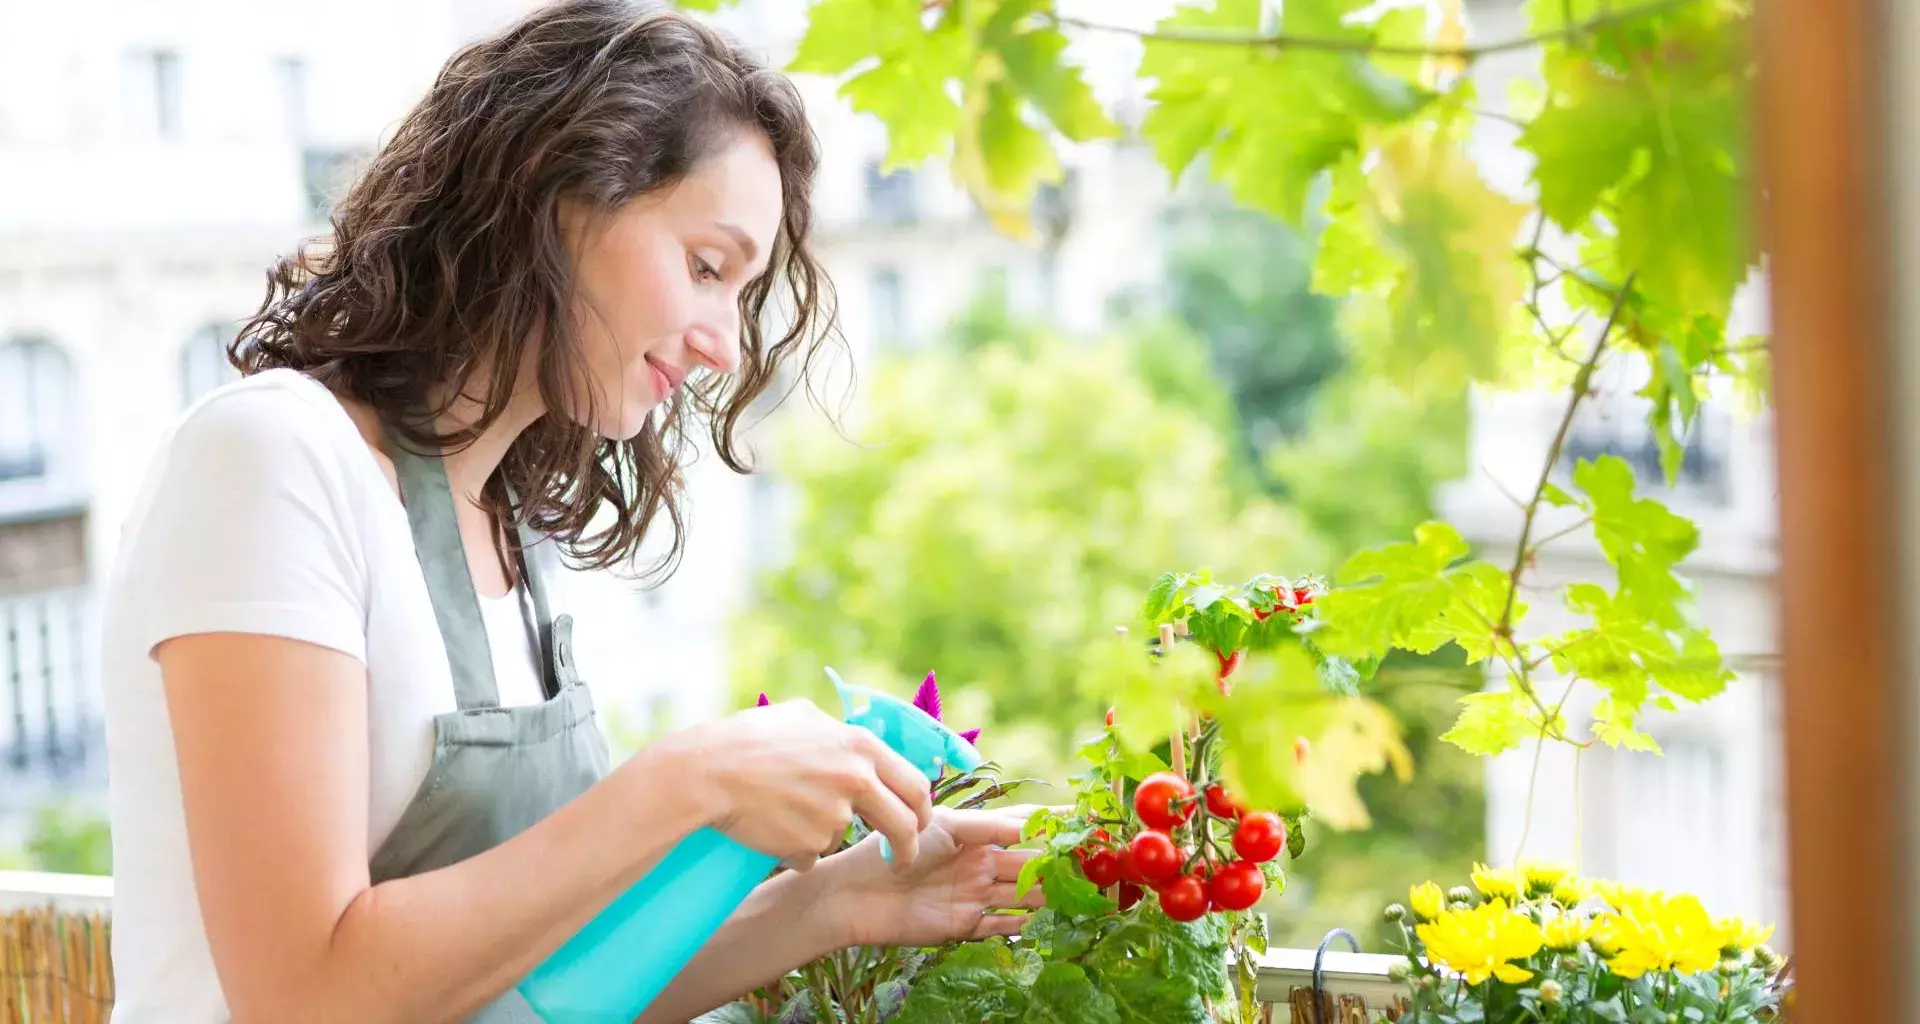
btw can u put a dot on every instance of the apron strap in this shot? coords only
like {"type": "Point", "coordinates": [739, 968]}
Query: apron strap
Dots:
{"type": "Point", "coordinates": [555, 636]}
{"type": "Point", "coordinates": [443, 561]}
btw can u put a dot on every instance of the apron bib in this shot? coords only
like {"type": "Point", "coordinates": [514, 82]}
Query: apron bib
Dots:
{"type": "Point", "coordinates": [496, 770]}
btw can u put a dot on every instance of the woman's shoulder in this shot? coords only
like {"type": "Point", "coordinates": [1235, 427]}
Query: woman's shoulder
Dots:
{"type": "Point", "coordinates": [276, 423]}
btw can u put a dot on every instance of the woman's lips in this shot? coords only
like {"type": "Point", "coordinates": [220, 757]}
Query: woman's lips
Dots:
{"type": "Point", "coordinates": [665, 378]}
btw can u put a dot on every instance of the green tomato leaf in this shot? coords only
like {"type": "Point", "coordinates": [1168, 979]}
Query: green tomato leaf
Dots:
{"type": "Point", "coordinates": [1070, 893]}
{"type": "Point", "coordinates": [1065, 994]}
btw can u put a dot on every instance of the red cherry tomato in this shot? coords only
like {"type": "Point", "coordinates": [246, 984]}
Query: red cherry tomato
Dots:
{"type": "Point", "coordinates": [1301, 748]}
{"type": "Point", "coordinates": [1184, 898]}
{"type": "Point", "coordinates": [1129, 871]}
{"type": "Point", "coordinates": [1260, 837]}
{"type": "Point", "coordinates": [1129, 895]}
{"type": "Point", "coordinates": [1109, 718]}
{"type": "Point", "coordinates": [1155, 857]}
{"type": "Point", "coordinates": [1230, 663]}
{"type": "Point", "coordinates": [1302, 597]}
{"type": "Point", "coordinates": [1101, 866]}
{"type": "Point", "coordinates": [1236, 886]}
{"type": "Point", "coordinates": [1220, 805]}
{"type": "Point", "coordinates": [1159, 801]}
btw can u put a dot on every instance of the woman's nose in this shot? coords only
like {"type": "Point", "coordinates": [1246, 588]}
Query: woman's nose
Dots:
{"type": "Point", "coordinates": [717, 346]}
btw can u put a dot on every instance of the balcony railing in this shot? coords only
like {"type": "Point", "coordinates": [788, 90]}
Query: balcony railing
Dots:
{"type": "Point", "coordinates": [49, 728]}
{"type": "Point", "coordinates": [71, 914]}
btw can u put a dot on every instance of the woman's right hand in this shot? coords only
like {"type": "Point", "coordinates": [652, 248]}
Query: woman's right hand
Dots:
{"type": "Point", "coordinates": [787, 779]}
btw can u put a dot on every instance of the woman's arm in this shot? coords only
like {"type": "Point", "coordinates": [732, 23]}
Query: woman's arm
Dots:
{"type": "Point", "coordinates": [854, 898]}
{"type": "Point", "coordinates": [272, 741]}
{"type": "Point", "coordinates": [272, 745]}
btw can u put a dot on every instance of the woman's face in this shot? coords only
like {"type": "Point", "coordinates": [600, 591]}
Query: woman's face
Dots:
{"type": "Point", "coordinates": [658, 281]}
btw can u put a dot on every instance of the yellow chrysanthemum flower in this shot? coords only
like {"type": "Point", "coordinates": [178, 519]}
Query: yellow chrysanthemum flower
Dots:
{"type": "Point", "coordinates": [1427, 901]}
{"type": "Point", "coordinates": [1482, 942]}
{"type": "Point", "coordinates": [1543, 876]}
{"type": "Point", "coordinates": [1654, 932]}
{"type": "Point", "coordinates": [1737, 937]}
{"type": "Point", "coordinates": [1566, 931]}
{"type": "Point", "coordinates": [1571, 892]}
{"type": "Point", "coordinates": [1496, 885]}
{"type": "Point", "coordinates": [1618, 894]}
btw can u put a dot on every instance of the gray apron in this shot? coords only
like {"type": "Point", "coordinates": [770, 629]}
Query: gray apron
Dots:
{"type": "Point", "coordinates": [496, 770]}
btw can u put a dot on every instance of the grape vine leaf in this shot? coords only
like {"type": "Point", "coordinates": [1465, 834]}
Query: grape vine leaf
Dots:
{"type": "Point", "coordinates": [1613, 724]}
{"type": "Point", "coordinates": [1414, 596]}
{"type": "Point", "coordinates": [905, 69]}
{"type": "Point", "coordinates": [1492, 722]}
{"type": "Point", "coordinates": [1641, 537]}
{"type": "Point", "coordinates": [1628, 654]}
{"type": "Point", "coordinates": [1650, 116]}
{"type": "Point", "coordinates": [1219, 100]}
{"type": "Point", "coordinates": [1448, 238]}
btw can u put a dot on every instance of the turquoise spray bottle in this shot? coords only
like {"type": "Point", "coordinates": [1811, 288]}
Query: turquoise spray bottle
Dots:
{"type": "Point", "coordinates": [612, 969]}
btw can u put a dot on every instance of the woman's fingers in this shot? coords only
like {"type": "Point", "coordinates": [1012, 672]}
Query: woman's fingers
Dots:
{"type": "Point", "coordinates": [999, 924]}
{"type": "Point", "coordinates": [883, 811]}
{"type": "Point", "coordinates": [1007, 863]}
{"type": "Point", "coordinates": [999, 827]}
{"type": "Point", "coordinates": [1006, 896]}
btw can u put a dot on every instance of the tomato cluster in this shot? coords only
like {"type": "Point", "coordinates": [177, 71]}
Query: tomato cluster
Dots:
{"type": "Point", "coordinates": [1215, 868]}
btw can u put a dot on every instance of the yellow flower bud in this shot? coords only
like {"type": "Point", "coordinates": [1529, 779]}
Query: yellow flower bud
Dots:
{"type": "Point", "coordinates": [1542, 877]}
{"type": "Point", "coordinates": [1550, 991]}
{"type": "Point", "coordinates": [1427, 901]}
{"type": "Point", "coordinates": [1496, 884]}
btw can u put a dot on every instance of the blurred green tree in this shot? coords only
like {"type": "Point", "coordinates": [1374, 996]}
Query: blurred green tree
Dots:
{"type": "Point", "coordinates": [1008, 505]}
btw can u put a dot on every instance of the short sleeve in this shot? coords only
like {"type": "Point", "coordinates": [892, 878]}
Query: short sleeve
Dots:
{"type": "Point", "coordinates": [248, 526]}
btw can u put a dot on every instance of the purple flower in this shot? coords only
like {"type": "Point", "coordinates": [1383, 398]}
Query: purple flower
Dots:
{"type": "Point", "coordinates": [927, 699]}
{"type": "Point", "coordinates": [762, 702]}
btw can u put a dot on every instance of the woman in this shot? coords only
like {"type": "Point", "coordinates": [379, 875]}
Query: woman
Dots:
{"type": "Point", "coordinates": [354, 777]}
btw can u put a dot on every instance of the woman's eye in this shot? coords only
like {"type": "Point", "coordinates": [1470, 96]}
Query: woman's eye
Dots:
{"type": "Point", "coordinates": [703, 271]}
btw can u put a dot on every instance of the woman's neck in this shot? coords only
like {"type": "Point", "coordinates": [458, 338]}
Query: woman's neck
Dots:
{"type": "Point", "coordinates": [469, 468]}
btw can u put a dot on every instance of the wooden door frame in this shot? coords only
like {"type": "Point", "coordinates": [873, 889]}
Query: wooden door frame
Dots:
{"type": "Point", "coordinates": [1825, 220]}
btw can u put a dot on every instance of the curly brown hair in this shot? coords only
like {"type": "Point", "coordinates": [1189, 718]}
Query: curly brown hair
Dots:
{"type": "Point", "coordinates": [446, 257]}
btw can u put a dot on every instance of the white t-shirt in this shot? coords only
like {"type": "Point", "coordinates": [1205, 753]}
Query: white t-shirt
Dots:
{"type": "Point", "coordinates": [263, 512]}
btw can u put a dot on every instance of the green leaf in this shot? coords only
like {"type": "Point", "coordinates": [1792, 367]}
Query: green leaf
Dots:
{"type": "Point", "coordinates": [1064, 994]}
{"type": "Point", "coordinates": [1069, 892]}
{"type": "Point", "coordinates": [1640, 536]}
{"type": "Point", "coordinates": [1219, 100]}
{"type": "Point", "coordinates": [1450, 238]}
{"type": "Point", "coordinates": [1030, 873]}
{"type": "Point", "coordinates": [1628, 654]}
{"type": "Point", "coordinates": [1492, 723]}
{"type": "Point", "coordinates": [1613, 724]}
{"type": "Point", "coordinates": [1650, 117]}
{"type": "Point", "coordinates": [1412, 596]}
{"type": "Point", "coordinates": [732, 1013]}
{"type": "Point", "coordinates": [963, 995]}
{"type": "Point", "coordinates": [1034, 67]}
{"type": "Point", "coordinates": [1166, 595]}
{"type": "Point", "coordinates": [907, 69]}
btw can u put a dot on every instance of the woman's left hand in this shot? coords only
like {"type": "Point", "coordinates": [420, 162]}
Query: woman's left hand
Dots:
{"type": "Point", "coordinates": [963, 871]}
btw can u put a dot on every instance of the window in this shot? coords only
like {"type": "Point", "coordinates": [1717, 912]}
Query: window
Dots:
{"type": "Point", "coordinates": [327, 173]}
{"type": "Point", "coordinates": [292, 74]}
{"type": "Point", "coordinates": [153, 93]}
{"type": "Point", "coordinates": [889, 306]}
{"type": "Point", "coordinates": [890, 197]}
{"type": "Point", "coordinates": [204, 364]}
{"type": "Point", "coordinates": [36, 409]}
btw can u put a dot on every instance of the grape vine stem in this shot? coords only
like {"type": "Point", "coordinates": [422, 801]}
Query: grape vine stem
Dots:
{"type": "Point", "coordinates": [1566, 34]}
